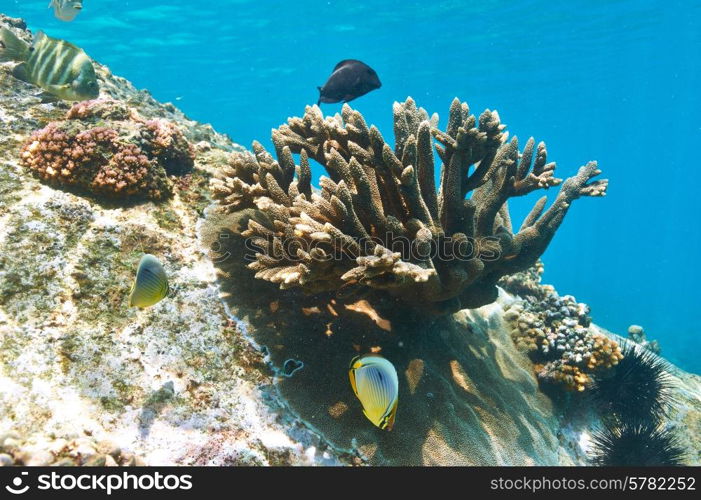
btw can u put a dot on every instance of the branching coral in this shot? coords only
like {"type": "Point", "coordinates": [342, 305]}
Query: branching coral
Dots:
{"type": "Point", "coordinates": [378, 220]}
{"type": "Point", "coordinates": [105, 148]}
{"type": "Point", "coordinates": [556, 332]}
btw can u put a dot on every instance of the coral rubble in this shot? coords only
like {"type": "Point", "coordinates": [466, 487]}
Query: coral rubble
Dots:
{"type": "Point", "coordinates": [637, 334]}
{"type": "Point", "coordinates": [85, 450]}
{"type": "Point", "coordinates": [105, 148]}
{"type": "Point", "coordinates": [555, 331]}
{"type": "Point", "coordinates": [378, 221]}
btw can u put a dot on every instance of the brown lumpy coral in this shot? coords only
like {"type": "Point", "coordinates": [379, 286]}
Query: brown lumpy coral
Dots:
{"type": "Point", "coordinates": [378, 221]}
{"type": "Point", "coordinates": [105, 148]}
{"type": "Point", "coordinates": [637, 334]}
{"type": "Point", "coordinates": [164, 141]}
{"type": "Point", "coordinates": [557, 332]}
{"type": "Point", "coordinates": [107, 109]}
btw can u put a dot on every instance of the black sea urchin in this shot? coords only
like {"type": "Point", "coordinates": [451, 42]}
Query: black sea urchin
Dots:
{"type": "Point", "coordinates": [635, 445]}
{"type": "Point", "coordinates": [638, 392]}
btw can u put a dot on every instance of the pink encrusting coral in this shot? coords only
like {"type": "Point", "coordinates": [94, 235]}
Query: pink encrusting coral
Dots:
{"type": "Point", "coordinates": [129, 173]}
{"type": "Point", "coordinates": [167, 143]}
{"type": "Point", "coordinates": [105, 148]}
{"type": "Point", "coordinates": [108, 109]}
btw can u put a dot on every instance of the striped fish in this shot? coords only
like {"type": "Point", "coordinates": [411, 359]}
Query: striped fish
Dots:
{"type": "Point", "coordinates": [151, 283]}
{"type": "Point", "coordinates": [66, 10]}
{"type": "Point", "coordinates": [58, 67]}
{"type": "Point", "coordinates": [375, 384]}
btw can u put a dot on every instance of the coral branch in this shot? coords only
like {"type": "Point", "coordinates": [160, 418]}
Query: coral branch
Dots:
{"type": "Point", "coordinates": [377, 220]}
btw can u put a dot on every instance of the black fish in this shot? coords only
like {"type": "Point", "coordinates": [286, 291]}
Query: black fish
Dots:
{"type": "Point", "coordinates": [349, 79]}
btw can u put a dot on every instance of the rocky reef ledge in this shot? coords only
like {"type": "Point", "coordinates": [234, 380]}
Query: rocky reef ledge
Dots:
{"type": "Point", "coordinates": [83, 378]}
{"type": "Point", "coordinates": [86, 380]}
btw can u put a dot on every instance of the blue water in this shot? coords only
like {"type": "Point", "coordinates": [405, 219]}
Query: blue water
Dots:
{"type": "Point", "coordinates": [615, 81]}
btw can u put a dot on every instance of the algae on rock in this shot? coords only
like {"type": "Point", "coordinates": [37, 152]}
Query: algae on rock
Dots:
{"type": "Point", "coordinates": [78, 368]}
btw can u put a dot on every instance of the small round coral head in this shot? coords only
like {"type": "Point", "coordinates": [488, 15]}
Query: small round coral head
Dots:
{"type": "Point", "coordinates": [375, 383]}
{"type": "Point", "coordinates": [150, 285]}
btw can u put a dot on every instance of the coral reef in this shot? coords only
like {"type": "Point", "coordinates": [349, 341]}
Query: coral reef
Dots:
{"type": "Point", "coordinates": [176, 384]}
{"type": "Point", "coordinates": [378, 221]}
{"type": "Point", "coordinates": [106, 109]}
{"type": "Point", "coordinates": [467, 396]}
{"type": "Point", "coordinates": [637, 334]}
{"type": "Point", "coordinates": [84, 450]}
{"type": "Point", "coordinates": [555, 331]}
{"type": "Point", "coordinates": [185, 382]}
{"type": "Point", "coordinates": [465, 389]}
{"type": "Point", "coordinates": [105, 148]}
{"type": "Point", "coordinates": [164, 141]}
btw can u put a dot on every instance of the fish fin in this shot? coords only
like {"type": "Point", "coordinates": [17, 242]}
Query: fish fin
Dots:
{"type": "Point", "coordinates": [318, 103]}
{"type": "Point", "coordinates": [351, 375]}
{"type": "Point", "coordinates": [47, 97]}
{"type": "Point", "coordinates": [39, 37]}
{"type": "Point", "coordinates": [392, 413]}
{"type": "Point", "coordinates": [57, 89]}
{"type": "Point", "coordinates": [11, 47]}
{"type": "Point", "coordinates": [344, 62]}
{"type": "Point", "coordinates": [20, 72]}
{"type": "Point", "coordinates": [355, 358]}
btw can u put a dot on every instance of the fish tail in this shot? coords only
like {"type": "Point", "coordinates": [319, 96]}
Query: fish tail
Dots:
{"type": "Point", "coordinates": [318, 103]}
{"type": "Point", "coordinates": [11, 47]}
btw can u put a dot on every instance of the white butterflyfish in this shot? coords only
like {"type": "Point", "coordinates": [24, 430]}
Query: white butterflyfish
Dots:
{"type": "Point", "coordinates": [151, 284]}
{"type": "Point", "coordinates": [375, 383]}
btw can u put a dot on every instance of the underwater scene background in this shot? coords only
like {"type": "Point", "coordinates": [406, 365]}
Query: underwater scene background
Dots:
{"type": "Point", "coordinates": [612, 81]}
{"type": "Point", "coordinates": [168, 297]}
